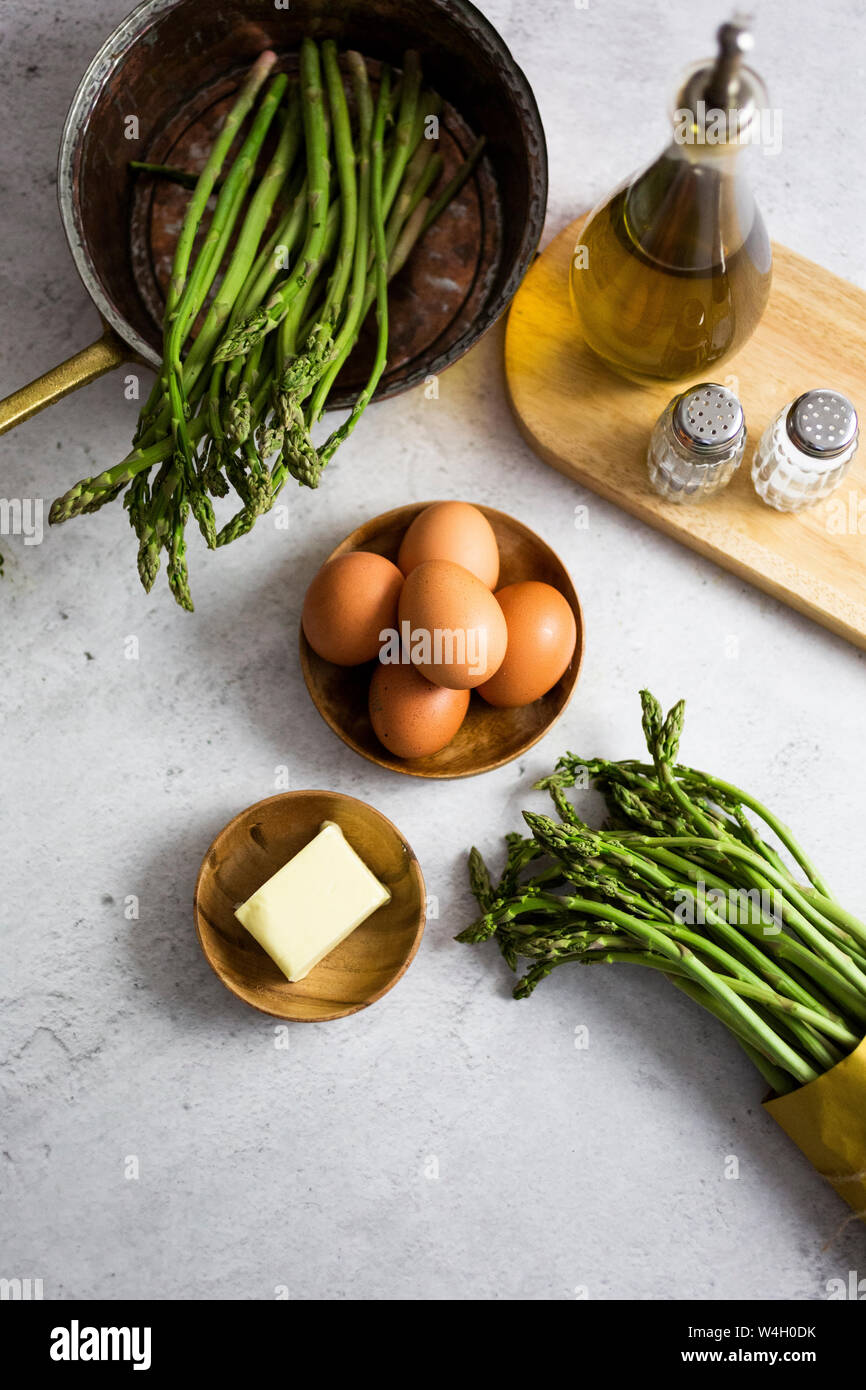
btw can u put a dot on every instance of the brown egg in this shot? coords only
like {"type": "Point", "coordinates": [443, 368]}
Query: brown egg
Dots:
{"type": "Point", "coordinates": [410, 716]}
{"type": "Point", "coordinates": [350, 601]}
{"type": "Point", "coordinates": [452, 531]}
{"type": "Point", "coordinates": [451, 625]}
{"type": "Point", "coordinates": [542, 635]}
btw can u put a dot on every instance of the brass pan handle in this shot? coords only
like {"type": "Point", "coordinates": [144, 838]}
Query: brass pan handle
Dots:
{"type": "Point", "coordinates": [104, 355]}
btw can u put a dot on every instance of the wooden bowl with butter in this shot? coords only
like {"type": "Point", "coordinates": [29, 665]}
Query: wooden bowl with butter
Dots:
{"type": "Point", "coordinates": [258, 843]}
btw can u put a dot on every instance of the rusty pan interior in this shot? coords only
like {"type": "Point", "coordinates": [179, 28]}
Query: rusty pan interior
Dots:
{"type": "Point", "coordinates": [173, 67]}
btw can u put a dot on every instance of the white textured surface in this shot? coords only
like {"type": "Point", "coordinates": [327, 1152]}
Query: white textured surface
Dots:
{"type": "Point", "coordinates": [309, 1167]}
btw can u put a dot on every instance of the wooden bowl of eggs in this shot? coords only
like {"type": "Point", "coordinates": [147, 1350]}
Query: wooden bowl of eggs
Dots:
{"type": "Point", "coordinates": [441, 639]}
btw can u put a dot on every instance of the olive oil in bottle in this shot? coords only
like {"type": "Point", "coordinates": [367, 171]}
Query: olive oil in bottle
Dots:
{"type": "Point", "coordinates": [672, 272]}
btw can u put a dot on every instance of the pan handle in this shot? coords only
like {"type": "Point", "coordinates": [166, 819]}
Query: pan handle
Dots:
{"type": "Point", "coordinates": [102, 356]}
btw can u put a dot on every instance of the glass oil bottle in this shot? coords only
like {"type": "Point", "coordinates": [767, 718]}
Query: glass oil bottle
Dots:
{"type": "Point", "coordinates": [672, 272]}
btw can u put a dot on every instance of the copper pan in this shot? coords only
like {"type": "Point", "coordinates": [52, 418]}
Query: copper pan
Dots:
{"type": "Point", "coordinates": [172, 66]}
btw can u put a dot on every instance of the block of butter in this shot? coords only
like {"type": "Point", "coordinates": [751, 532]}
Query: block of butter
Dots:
{"type": "Point", "coordinates": [312, 903]}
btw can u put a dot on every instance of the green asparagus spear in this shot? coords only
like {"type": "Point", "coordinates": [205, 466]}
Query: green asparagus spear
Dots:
{"type": "Point", "coordinates": [266, 319]}
{"type": "Point", "coordinates": [675, 902]}
{"type": "Point", "coordinates": [280, 276]}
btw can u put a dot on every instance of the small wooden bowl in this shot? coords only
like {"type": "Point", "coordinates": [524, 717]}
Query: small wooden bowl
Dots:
{"type": "Point", "coordinates": [488, 737]}
{"type": "Point", "coordinates": [363, 967]}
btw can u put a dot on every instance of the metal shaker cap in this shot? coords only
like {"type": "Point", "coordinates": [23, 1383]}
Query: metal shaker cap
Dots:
{"type": "Point", "coordinates": [708, 417]}
{"type": "Point", "coordinates": [821, 423]}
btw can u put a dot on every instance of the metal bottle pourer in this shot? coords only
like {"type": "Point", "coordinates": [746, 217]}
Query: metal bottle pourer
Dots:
{"type": "Point", "coordinates": [735, 40]}
{"type": "Point", "coordinates": [726, 85]}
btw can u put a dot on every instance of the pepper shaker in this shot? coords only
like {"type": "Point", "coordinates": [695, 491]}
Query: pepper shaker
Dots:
{"type": "Point", "coordinates": [805, 452]}
{"type": "Point", "coordinates": [697, 444]}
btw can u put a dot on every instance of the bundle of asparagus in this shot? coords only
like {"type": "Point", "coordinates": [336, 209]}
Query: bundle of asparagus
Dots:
{"type": "Point", "coordinates": [682, 881]}
{"type": "Point", "coordinates": [293, 258]}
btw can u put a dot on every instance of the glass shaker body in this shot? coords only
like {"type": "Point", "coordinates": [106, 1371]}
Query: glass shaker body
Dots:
{"type": "Point", "coordinates": [805, 452]}
{"type": "Point", "coordinates": [697, 444]}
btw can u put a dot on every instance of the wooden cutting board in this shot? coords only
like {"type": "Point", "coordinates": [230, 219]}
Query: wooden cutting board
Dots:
{"type": "Point", "coordinates": [594, 427]}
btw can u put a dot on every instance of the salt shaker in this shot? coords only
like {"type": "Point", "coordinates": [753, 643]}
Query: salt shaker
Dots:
{"type": "Point", "coordinates": [697, 444]}
{"type": "Point", "coordinates": [805, 452]}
